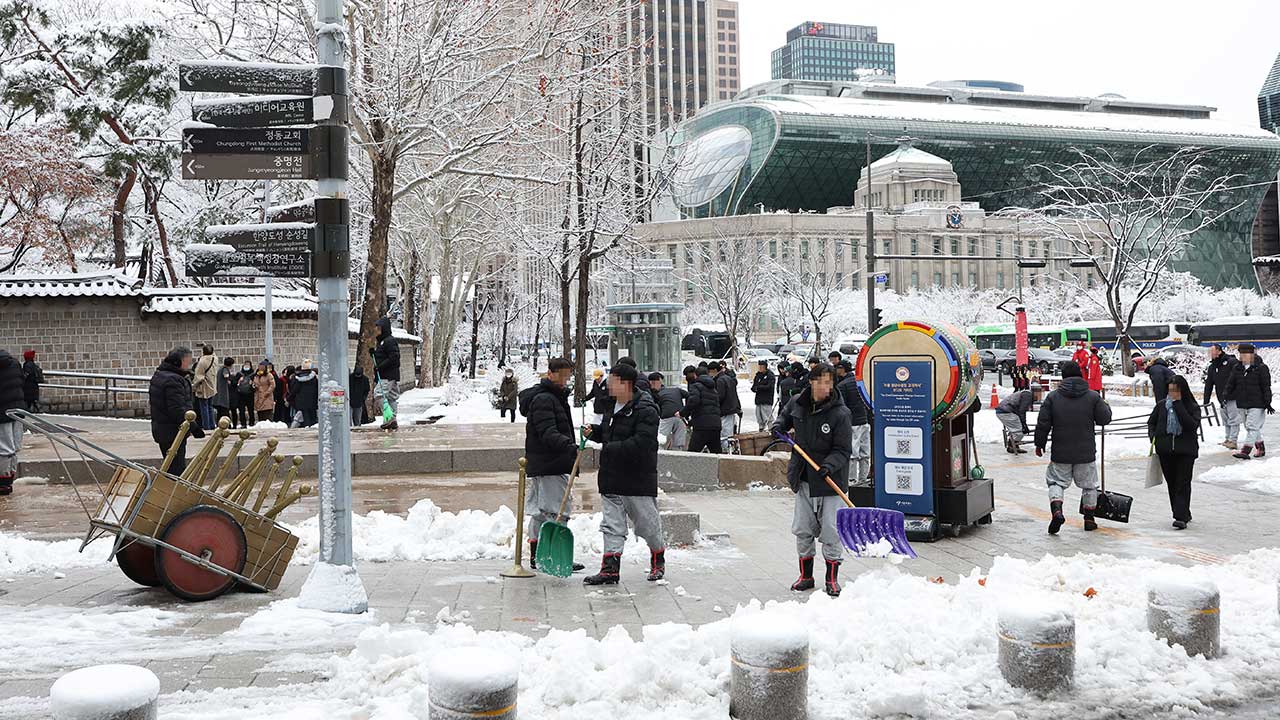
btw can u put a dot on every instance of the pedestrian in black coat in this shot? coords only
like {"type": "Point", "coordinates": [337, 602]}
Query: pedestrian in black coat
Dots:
{"type": "Point", "coordinates": [1160, 373]}
{"type": "Point", "coordinates": [1070, 414]}
{"type": "Point", "coordinates": [702, 411]}
{"type": "Point", "coordinates": [1250, 386]}
{"type": "Point", "coordinates": [764, 385]}
{"type": "Point", "coordinates": [32, 379]}
{"type": "Point", "coordinates": [549, 441]}
{"type": "Point", "coordinates": [304, 395]}
{"type": "Point", "coordinates": [1221, 364]}
{"type": "Point", "coordinates": [170, 399]}
{"type": "Point", "coordinates": [786, 389]}
{"type": "Point", "coordinates": [358, 392]}
{"type": "Point", "coordinates": [223, 396]}
{"type": "Point", "coordinates": [1173, 427]}
{"type": "Point", "coordinates": [11, 398]}
{"type": "Point", "coordinates": [601, 403]}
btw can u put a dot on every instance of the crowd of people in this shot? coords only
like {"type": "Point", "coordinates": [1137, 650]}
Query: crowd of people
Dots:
{"type": "Point", "coordinates": [247, 393]}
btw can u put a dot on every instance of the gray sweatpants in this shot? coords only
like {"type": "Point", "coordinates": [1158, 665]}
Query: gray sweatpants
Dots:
{"type": "Point", "coordinates": [1012, 425]}
{"type": "Point", "coordinates": [816, 518]}
{"type": "Point", "coordinates": [1231, 420]}
{"type": "Point", "coordinates": [676, 433]}
{"type": "Point", "coordinates": [1253, 420]}
{"type": "Point", "coordinates": [542, 497]}
{"type": "Point", "coordinates": [642, 510]}
{"type": "Point", "coordinates": [10, 444]}
{"type": "Point", "coordinates": [764, 416]}
{"type": "Point", "coordinates": [861, 457]}
{"type": "Point", "coordinates": [389, 391]}
{"type": "Point", "coordinates": [1059, 477]}
{"type": "Point", "coordinates": [727, 423]}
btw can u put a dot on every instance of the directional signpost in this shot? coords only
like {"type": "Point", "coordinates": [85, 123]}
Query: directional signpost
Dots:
{"type": "Point", "coordinates": [269, 111]}
{"type": "Point", "coordinates": [264, 153]}
{"type": "Point", "coordinates": [261, 78]}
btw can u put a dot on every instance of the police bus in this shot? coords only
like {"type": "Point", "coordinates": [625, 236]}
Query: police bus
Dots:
{"type": "Point", "coordinates": [1048, 337]}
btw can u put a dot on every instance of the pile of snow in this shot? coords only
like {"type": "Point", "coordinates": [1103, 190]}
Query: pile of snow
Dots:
{"type": "Point", "coordinates": [82, 636]}
{"type": "Point", "coordinates": [1261, 476]}
{"type": "Point", "coordinates": [19, 554]}
{"type": "Point", "coordinates": [102, 691]}
{"type": "Point", "coordinates": [987, 429]}
{"type": "Point", "coordinates": [334, 589]}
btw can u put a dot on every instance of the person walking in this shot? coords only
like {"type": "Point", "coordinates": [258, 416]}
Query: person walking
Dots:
{"type": "Point", "coordinates": [1250, 386]}
{"type": "Point", "coordinates": [170, 399]}
{"type": "Point", "coordinates": [786, 385]}
{"type": "Point", "coordinates": [599, 397]}
{"type": "Point", "coordinates": [222, 397]}
{"type": "Point", "coordinates": [670, 401]}
{"type": "Point", "coordinates": [1069, 415]}
{"type": "Point", "coordinates": [821, 425]}
{"type": "Point", "coordinates": [628, 476]}
{"type": "Point", "coordinates": [549, 448]}
{"type": "Point", "coordinates": [764, 385]}
{"type": "Point", "coordinates": [11, 398]}
{"type": "Point", "coordinates": [32, 379]}
{"type": "Point", "coordinates": [1174, 429]}
{"type": "Point", "coordinates": [1159, 372]}
{"type": "Point", "coordinates": [386, 360]}
{"type": "Point", "coordinates": [726, 382]}
{"type": "Point", "coordinates": [1012, 414]}
{"type": "Point", "coordinates": [1081, 358]}
{"type": "Point", "coordinates": [859, 418]}
{"type": "Point", "coordinates": [204, 384]}
{"type": "Point", "coordinates": [304, 396]}
{"type": "Point", "coordinates": [358, 392]}
{"type": "Point", "coordinates": [1216, 376]}
{"type": "Point", "coordinates": [702, 411]}
{"type": "Point", "coordinates": [264, 393]}
{"type": "Point", "coordinates": [508, 395]}
{"type": "Point", "coordinates": [1093, 374]}
{"type": "Point", "coordinates": [243, 407]}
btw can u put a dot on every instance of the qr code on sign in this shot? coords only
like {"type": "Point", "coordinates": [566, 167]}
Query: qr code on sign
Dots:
{"type": "Point", "coordinates": [903, 481]}
{"type": "Point", "coordinates": [904, 447]}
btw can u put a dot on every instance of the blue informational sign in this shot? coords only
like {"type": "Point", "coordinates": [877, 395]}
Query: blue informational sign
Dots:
{"type": "Point", "coordinates": [903, 391]}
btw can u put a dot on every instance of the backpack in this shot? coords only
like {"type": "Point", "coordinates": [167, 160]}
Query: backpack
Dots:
{"type": "Point", "coordinates": [245, 386]}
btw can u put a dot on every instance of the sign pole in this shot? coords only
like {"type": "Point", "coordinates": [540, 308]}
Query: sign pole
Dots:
{"type": "Point", "coordinates": [334, 584]}
{"type": "Point", "coordinates": [266, 283]}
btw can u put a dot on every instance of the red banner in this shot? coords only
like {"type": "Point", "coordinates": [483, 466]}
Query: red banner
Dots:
{"type": "Point", "coordinates": [1020, 334]}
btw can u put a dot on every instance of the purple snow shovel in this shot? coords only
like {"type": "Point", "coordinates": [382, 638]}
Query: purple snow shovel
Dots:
{"type": "Point", "coordinates": [861, 528]}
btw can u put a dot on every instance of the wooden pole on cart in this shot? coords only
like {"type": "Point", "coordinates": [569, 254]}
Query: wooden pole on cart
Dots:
{"type": "Point", "coordinates": [293, 498]}
{"type": "Point", "coordinates": [266, 484]}
{"type": "Point", "coordinates": [183, 429]}
{"type": "Point", "coordinates": [208, 454]}
{"type": "Point", "coordinates": [283, 492]}
{"type": "Point", "coordinates": [246, 478]}
{"type": "Point", "coordinates": [231, 458]}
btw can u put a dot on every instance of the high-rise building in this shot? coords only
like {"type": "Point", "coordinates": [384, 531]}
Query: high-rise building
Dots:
{"type": "Point", "coordinates": [830, 51]}
{"type": "Point", "coordinates": [1269, 100]}
{"type": "Point", "coordinates": [690, 56]}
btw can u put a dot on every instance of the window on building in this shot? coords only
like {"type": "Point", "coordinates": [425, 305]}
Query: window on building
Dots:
{"type": "Point", "coordinates": [955, 278]}
{"type": "Point", "coordinates": [1089, 280]}
{"type": "Point", "coordinates": [723, 83]}
{"type": "Point", "coordinates": [720, 24]}
{"type": "Point", "coordinates": [973, 278]}
{"type": "Point", "coordinates": [937, 245]}
{"type": "Point", "coordinates": [973, 246]}
{"type": "Point", "coordinates": [999, 246]}
{"type": "Point", "coordinates": [839, 279]}
{"type": "Point", "coordinates": [1000, 279]}
{"type": "Point", "coordinates": [722, 71]}
{"type": "Point", "coordinates": [804, 249]}
{"type": "Point", "coordinates": [773, 249]}
{"type": "Point", "coordinates": [720, 35]}
{"type": "Point", "coordinates": [955, 246]}
{"type": "Point", "coordinates": [720, 47]}
{"type": "Point", "coordinates": [853, 281]}
{"type": "Point", "coordinates": [915, 246]}
{"type": "Point", "coordinates": [915, 278]}
{"type": "Point", "coordinates": [1017, 248]}
{"type": "Point", "coordinates": [937, 279]}
{"type": "Point", "coordinates": [822, 279]}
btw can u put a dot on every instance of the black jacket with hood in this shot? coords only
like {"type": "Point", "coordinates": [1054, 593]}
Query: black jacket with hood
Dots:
{"type": "Point", "coordinates": [304, 390]}
{"type": "Point", "coordinates": [1250, 385]}
{"type": "Point", "coordinates": [548, 438]}
{"type": "Point", "coordinates": [32, 379]}
{"type": "Point", "coordinates": [702, 408]}
{"type": "Point", "coordinates": [727, 393]}
{"type": "Point", "coordinates": [11, 397]}
{"type": "Point", "coordinates": [1216, 377]}
{"type": "Point", "coordinates": [629, 452]}
{"type": "Point", "coordinates": [852, 397]}
{"type": "Point", "coordinates": [763, 386]}
{"type": "Point", "coordinates": [1018, 403]}
{"type": "Point", "coordinates": [1160, 373]}
{"type": "Point", "coordinates": [601, 401]}
{"type": "Point", "coordinates": [1187, 441]}
{"type": "Point", "coordinates": [358, 386]}
{"type": "Point", "coordinates": [1069, 414]}
{"type": "Point", "coordinates": [786, 390]}
{"type": "Point", "coordinates": [386, 354]}
{"type": "Point", "coordinates": [670, 400]}
{"type": "Point", "coordinates": [825, 432]}
{"type": "Point", "coordinates": [170, 399]}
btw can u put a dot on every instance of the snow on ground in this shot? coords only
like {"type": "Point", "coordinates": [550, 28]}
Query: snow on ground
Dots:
{"type": "Point", "coordinates": [892, 645]}
{"type": "Point", "coordinates": [1259, 475]}
{"type": "Point", "coordinates": [24, 555]}
{"type": "Point", "coordinates": [987, 429]}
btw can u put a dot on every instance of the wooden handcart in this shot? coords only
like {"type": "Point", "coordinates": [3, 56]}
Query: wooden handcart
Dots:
{"type": "Point", "coordinates": [198, 534]}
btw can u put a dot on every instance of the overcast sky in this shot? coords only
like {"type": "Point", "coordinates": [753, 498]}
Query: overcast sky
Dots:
{"type": "Point", "coordinates": [1208, 53]}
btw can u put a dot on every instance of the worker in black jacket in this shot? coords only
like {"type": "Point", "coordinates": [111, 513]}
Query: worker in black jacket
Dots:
{"type": "Point", "coordinates": [1216, 376]}
{"type": "Point", "coordinates": [386, 358]}
{"type": "Point", "coordinates": [670, 400]}
{"type": "Point", "coordinates": [628, 476]}
{"type": "Point", "coordinates": [763, 385]}
{"type": "Point", "coordinates": [1070, 414]}
{"type": "Point", "coordinates": [599, 396]}
{"type": "Point", "coordinates": [820, 424]}
{"type": "Point", "coordinates": [702, 412]}
{"type": "Point", "coordinates": [786, 384]}
{"type": "Point", "coordinates": [170, 399]}
{"type": "Point", "coordinates": [1012, 414]}
{"type": "Point", "coordinates": [859, 418]}
{"type": "Point", "coordinates": [549, 449]}
{"type": "Point", "coordinates": [11, 398]}
{"type": "Point", "coordinates": [726, 382]}
{"type": "Point", "coordinates": [357, 394]}
{"type": "Point", "coordinates": [1250, 386]}
{"type": "Point", "coordinates": [1159, 372]}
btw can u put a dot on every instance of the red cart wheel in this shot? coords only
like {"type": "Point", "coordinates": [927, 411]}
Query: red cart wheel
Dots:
{"type": "Point", "coordinates": [206, 532]}
{"type": "Point", "coordinates": [138, 562]}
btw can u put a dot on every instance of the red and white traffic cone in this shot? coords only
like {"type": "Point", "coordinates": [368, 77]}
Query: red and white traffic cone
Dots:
{"type": "Point", "coordinates": [995, 399]}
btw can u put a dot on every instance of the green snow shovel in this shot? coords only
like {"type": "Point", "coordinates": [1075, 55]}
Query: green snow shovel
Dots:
{"type": "Point", "coordinates": [555, 539]}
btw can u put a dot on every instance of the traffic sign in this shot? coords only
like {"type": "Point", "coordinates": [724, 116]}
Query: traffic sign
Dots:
{"type": "Point", "coordinates": [881, 278]}
{"type": "Point", "coordinates": [261, 78]}
{"type": "Point", "coordinates": [264, 153]}
{"type": "Point", "coordinates": [263, 238]}
{"type": "Point", "coordinates": [255, 141]}
{"type": "Point", "coordinates": [270, 112]}
{"type": "Point", "coordinates": [225, 261]}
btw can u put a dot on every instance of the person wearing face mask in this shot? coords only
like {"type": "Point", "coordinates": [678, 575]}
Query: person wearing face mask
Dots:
{"type": "Point", "coordinates": [170, 398]}
{"type": "Point", "coordinates": [242, 411]}
{"type": "Point", "coordinates": [508, 395]}
{"type": "Point", "coordinates": [304, 393]}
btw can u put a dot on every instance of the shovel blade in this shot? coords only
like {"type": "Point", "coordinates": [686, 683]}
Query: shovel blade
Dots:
{"type": "Point", "coordinates": [860, 528]}
{"type": "Point", "coordinates": [555, 549]}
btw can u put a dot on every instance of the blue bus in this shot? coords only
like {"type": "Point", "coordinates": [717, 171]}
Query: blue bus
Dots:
{"type": "Point", "coordinates": [1144, 336]}
{"type": "Point", "coordinates": [1256, 329]}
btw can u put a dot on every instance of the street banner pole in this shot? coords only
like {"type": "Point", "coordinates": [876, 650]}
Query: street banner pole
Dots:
{"type": "Point", "coordinates": [266, 282]}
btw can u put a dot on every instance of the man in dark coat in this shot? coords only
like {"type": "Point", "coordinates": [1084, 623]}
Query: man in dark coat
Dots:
{"type": "Point", "coordinates": [763, 385]}
{"type": "Point", "coordinates": [628, 476]}
{"type": "Point", "coordinates": [1250, 386]}
{"type": "Point", "coordinates": [702, 411]}
{"type": "Point", "coordinates": [304, 395]}
{"type": "Point", "coordinates": [1070, 414]}
{"type": "Point", "coordinates": [1216, 376]}
{"type": "Point", "coordinates": [1012, 414]}
{"type": "Point", "coordinates": [1159, 372]}
{"type": "Point", "coordinates": [726, 382]}
{"type": "Point", "coordinates": [859, 418]}
{"type": "Point", "coordinates": [11, 398]}
{"type": "Point", "coordinates": [386, 359]}
{"type": "Point", "coordinates": [170, 396]}
{"type": "Point", "coordinates": [358, 393]}
{"type": "Point", "coordinates": [549, 447]}
{"type": "Point", "coordinates": [599, 395]}
{"type": "Point", "coordinates": [820, 423]}
{"type": "Point", "coordinates": [670, 400]}
{"type": "Point", "coordinates": [786, 384]}
{"type": "Point", "coordinates": [801, 376]}
{"type": "Point", "coordinates": [32, 379]}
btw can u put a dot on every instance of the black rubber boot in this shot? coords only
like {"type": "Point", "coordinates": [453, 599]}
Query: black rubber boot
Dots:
{"type": "Point", "coordinates": [1246, 451]}
{"type": "Point", "coordinates": [533, 554]}
{"type": "Point", "coordinates": [832, 584]}
{"type": "Point", "coordinates": [805, 581]}
{"type": "Point", "coordinates": [1089, 524]}
{"type": "Point", "coordinates": [1260, 449]}
{"type": "Point", "coordinates": [610, 565]}
{"type": "Point", "coordinates": [657, 565]}
{"type": "Point", "coordinates": [1058, 518]}
{"type": "Point", "coordinates": [6, 485]}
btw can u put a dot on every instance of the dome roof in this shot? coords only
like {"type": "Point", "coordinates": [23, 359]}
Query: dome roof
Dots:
{"type": "Point", "coordinates": [907, 155]}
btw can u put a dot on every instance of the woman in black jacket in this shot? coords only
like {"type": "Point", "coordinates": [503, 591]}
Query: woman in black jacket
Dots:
{"type": "Point", "coordinates": [1174, 427]}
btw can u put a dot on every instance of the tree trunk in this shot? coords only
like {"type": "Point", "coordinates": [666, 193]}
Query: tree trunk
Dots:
{"type": "Point", "coordinates": [502, 350]}
{"type": "Point", "coordinates": [537, 332]}
{"type": "Point", "coordinates": [383, 173]}
{"type": "Point", "coordinates": [411, 286]}
{"type": "Point", "coordinates": [118, 247]}
{"type": "Point", "coordinates": [580, 325]}
{"type": "Point", "coordinates": [1126, 362]}
{"type": "Point", "coordinates": [566, 334]}
{"type": "Point", "coordinates": [151, 193]}
{"type": "Point", "coordinates": [475, 338]}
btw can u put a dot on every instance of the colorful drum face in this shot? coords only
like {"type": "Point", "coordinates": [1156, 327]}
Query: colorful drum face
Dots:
{"type": "Point", "coordinates": [957, 369]}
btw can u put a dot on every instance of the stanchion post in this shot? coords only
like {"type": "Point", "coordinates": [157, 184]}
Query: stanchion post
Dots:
{"type": "Point", "coordinates": [518, 570]}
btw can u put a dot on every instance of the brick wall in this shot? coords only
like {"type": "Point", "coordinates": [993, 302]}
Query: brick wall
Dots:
{"type": "Point", "coordinates": [111, 335]}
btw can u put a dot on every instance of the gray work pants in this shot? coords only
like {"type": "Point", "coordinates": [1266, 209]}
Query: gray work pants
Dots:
{"type": "Point", "coordinates": [815, 519]}
{"type": "Point", "coordinates": [542, 497]}
{"type": "Point", "coordinates": [1059, 477]}
{"type": "Point", "coordinates": [10, 444]}
{"type": "Point", "coordinates": [641, 510]}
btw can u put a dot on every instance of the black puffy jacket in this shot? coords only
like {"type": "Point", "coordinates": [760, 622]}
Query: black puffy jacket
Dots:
{"type": "Point", "coordinates": [1187, 441]}
{"type": "Point", "coordinates": [670, 400]}
{"type": "Point", "coordinates": [786, 390]}
{"type": "Point", "coordinates": [32, 379]}
{"type": "Point", "coordinates": [763, 386]}
{"type": "Point", "coordinates": [702, 407]}
{"type": "Point", "coordinates": [11, 387]}
{"type": "Point", "coordinates": [852, 397]}
{"type": "Point", "coordinates": [170, 399]}
{"type": "Point", "coordinates": [304, 390]}
{"type": "Point", "coordinates": [1018, 403]}
{"type": "Point", "coordinates": [727, 393]}
{"type": "Point", "coordinates": [629, 452]}
{"type": "Point", "coordinates": [826, 434]}
{"type": "Point", "coordinates": [1216, 377]}
{"type": "Point", "coordinates": [601, 401]}
{"type": "Point", "coordinates": [357, 387]}
{"type": "Point", "coordinates": [1070, 414]}
{"type": "Point", "coordinates": [548, 436]}
{"type": "Point", "coordinates": [1250, 385]}
{"type": "Point", "coordinates": [1160, 373]}
{"type": "Point", "coordinates": [386, 354]}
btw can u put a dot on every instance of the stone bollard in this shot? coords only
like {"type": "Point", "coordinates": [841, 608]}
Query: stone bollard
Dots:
{"type": "Point", "coordinates": [1037, 647]}
{"type": "Point", "coordinates": [1184, 611]}
{"type": "Point", "coordinates": [769, 669]}
{"type": "Point", "coordinates": [105, 692]}
{"type": "Point", "coordinates": [473, 683]}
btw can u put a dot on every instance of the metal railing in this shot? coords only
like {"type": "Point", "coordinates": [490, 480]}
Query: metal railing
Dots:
{"type": "Point", "coordinates": [108, 384]}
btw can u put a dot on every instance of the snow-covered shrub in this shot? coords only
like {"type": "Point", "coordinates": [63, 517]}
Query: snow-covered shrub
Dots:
{"type": "Point", "coordinates": [456, 390]}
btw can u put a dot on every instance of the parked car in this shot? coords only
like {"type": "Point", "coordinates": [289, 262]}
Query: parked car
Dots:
{"type": "Point", "coordinates": [1046, 361]}
{"type": "Point", "coordinates": [752, 355]}
{"type": "Point", "coordinates": [991, 357]}
{"type": "Point", "coordinates": [800, 352]}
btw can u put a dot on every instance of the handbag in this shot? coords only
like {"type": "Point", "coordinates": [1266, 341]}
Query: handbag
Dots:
{"type": "Point", "coordinates": [1112, 506]}
{"type": "Point", "coordinates": [1155, 476]}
